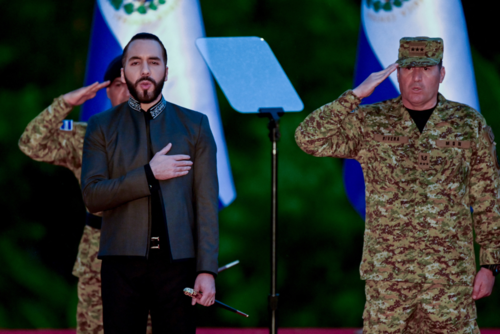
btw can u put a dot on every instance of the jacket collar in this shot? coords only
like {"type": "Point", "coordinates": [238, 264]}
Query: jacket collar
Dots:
{"type": "Point", "coordinates": [440, 113]}
{"type": "Point", "coordinates": [155, 110]}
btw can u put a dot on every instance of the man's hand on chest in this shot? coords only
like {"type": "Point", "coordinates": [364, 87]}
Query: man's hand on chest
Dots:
{"type": "Point", "coordinates": [166, 167]}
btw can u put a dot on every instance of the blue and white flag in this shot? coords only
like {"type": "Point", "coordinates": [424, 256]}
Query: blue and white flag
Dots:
{"type": "Point", "coordinates": [383, 24]}
{"type": "Point", "coordinates": [178, 23]}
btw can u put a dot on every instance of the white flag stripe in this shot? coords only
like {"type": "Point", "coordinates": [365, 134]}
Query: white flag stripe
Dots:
{"type": "Point", "coordinates": [432, 18]}
{"type": "Point", "coordinates": [178, 24]}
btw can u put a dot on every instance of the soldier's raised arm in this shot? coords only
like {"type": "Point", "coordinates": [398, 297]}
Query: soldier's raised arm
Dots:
{"type": "Point", "coordinates": [44, 140]}
{"type": "Point", "coordinates": [334, 129]}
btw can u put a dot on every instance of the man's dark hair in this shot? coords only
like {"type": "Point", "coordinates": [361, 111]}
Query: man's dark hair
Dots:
{"type": "Point", "coordinates": [144, 35]}
{"type": "Point", "coordinates": [114, 69]}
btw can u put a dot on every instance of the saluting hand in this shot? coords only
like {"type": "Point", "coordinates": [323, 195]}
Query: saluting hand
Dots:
{"type": "Point", "coordinates": [79, 96]}
{"type": "Point", "coordinates": [166, 167]}
{"type": "Point", "coordinates": [367, 87]}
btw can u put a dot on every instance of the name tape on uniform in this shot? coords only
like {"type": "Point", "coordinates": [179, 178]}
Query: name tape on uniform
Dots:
{"type": "Point", "coordinates": [453, 143]}
{"type": "Point", "coordinates": [391, 139]}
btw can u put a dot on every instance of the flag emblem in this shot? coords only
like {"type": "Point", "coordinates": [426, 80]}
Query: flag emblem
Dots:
{"type": "Point", "coordinates": [67, 125]}
{"type": "Point", "coordinates": [140, 6]}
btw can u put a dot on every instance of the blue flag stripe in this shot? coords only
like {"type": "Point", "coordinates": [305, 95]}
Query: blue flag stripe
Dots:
{"type": "Point", "coordinates": [103, 49]}
{"type": "Point", "coordinates": [366, 63]}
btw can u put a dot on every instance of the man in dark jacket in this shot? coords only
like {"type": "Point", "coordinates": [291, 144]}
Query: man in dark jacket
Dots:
{"type": "Point", "coordinates": [160, 226]}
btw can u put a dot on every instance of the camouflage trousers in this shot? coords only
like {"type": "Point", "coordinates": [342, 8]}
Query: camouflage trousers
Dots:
{"type": "Point", "coordinates": [88, 270]}
{"type": "Point", "coordinates": [402, 307]}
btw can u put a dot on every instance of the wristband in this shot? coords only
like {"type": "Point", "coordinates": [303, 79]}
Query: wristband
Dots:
{"type": "Point", "coordinates": [495, 268]}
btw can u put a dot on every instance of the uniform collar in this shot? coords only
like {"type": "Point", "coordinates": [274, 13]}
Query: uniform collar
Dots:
{"type": "Point", "coordinates": [154, 110]}
{"type": "Point", "coordinates": [441, 100]}
{"type": "Point", "coordinates": [441, 111]}
{"type": "Point", "coordinates": [438, 115]}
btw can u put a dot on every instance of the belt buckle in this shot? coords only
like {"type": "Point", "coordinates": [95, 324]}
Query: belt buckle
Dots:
{"type": "Point", "coordinates": [155, 243]}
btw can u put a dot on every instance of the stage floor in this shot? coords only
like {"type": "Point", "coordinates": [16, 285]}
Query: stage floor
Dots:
{"type": "Point", "coordinates": [231, 331]}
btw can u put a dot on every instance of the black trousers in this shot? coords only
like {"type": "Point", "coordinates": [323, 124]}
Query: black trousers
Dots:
{"type": "Point", "coordinates": [132, 287]}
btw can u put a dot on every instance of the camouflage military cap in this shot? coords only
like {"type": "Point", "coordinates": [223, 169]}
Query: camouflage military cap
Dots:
{"type": "Point", "coordinates": [420, 51]}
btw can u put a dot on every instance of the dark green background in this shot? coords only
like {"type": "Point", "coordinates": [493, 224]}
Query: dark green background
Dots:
{"type": "Point", "coordinates": [43, 54]}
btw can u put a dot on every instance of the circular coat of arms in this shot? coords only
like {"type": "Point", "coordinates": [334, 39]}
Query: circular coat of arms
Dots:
{"type": "Point", "coordinates": [139, 6]}
{"type": "Point", "coordinates": [386, 5]}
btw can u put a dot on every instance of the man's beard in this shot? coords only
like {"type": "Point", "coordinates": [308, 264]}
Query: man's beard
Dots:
{"type": "Point", "coordinates": [145, 97]}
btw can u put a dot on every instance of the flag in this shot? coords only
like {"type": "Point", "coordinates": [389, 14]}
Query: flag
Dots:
{"type": "Point", "coordinates": [178, 23]}
{"type": "Point", "coordinates": [383, 24]}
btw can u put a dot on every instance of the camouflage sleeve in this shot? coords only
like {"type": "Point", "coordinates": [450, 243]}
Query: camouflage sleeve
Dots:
{"type": "Point", "coordinates": [332, 130]}
{"type": "Point", "coordinates": [43, 141]}
{"type": "Point", "coordinates": [485, 197]}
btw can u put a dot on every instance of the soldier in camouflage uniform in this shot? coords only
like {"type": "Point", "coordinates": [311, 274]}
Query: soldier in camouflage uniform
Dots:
{"type": "Point", "coordinates": [46, 140]}
{"type": "Point", "coordinates": [421, 179]}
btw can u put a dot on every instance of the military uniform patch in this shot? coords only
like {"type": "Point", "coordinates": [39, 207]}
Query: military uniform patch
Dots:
{"type": "Point", "coordinates": [391, 139]}
{"type": "Point", "coordinates": [417, 49]}
{"type": "Point", "coordinates": [453, 143]}
{"type": "Point", "coordinates": [67, 125]}
{"type": "Point", "coordinates": [424, 160]}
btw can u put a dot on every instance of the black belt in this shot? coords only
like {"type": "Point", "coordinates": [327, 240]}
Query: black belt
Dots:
{"type": "Point", "coordinates": [93, 221]}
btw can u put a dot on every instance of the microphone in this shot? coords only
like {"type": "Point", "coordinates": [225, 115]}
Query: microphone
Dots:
{"type": "Point", "coordinates": [229, 265]}
{"type": "Point", "coordinates": [192, 293]}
